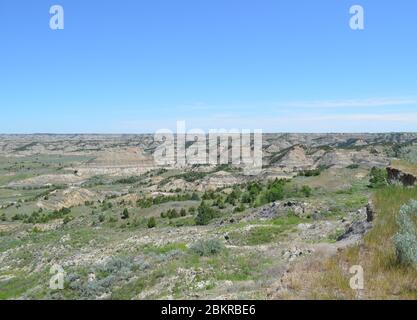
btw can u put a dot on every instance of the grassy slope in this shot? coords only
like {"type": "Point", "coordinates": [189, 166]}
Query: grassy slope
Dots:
{"type": "Point", "coordinates": [405, 166]}
{"type": "Point", "coordinates": [384, 278]}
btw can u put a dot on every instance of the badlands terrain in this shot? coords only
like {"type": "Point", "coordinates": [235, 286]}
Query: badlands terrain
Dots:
{"type": "Point", "coordinates": [122, 227]}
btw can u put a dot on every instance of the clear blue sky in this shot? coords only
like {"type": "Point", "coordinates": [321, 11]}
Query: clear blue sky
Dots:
{"type": "Point", "coordinates": [136, 66]}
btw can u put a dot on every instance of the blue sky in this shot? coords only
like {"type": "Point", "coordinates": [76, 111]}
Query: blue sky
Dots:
{"type": "Point", "coordinates": [132, 66]}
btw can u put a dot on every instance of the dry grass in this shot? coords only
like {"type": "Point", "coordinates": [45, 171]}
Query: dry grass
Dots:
{"type": "Point", "coordinates": [404, 166]}
{"type": "Point", "coordinates": [328, 278]}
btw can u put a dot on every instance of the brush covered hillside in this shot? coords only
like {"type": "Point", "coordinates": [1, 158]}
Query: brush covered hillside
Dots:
{"type": "Point", "coordinates": [121, 227]}
{"type": "Point", "coordinates": [386, 276]}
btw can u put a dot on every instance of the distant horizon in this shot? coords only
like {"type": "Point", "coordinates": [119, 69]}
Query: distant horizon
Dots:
{"type": "Point", "coordinates": [152, 133]}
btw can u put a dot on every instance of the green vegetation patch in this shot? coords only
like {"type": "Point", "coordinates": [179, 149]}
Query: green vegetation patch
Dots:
{"type": "Point", "coordinates": [257, 235]}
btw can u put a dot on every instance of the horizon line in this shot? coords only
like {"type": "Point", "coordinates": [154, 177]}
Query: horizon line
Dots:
{"type": "Point", "coordinates": [148, 133]}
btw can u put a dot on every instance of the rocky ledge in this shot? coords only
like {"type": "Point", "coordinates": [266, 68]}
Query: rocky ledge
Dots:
{"type": "Point", "coordinates": [398, 176]}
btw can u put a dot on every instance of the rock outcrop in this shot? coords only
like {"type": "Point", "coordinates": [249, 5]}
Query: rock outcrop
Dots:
{"type": "Point", "coordinates": [358, 227]}
{"type": "Point", "coordinates": [370, 211]}
{"type": "Point", "coordinates": [396, 175]}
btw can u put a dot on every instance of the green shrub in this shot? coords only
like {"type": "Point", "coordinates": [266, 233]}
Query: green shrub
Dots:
{"type": "Point", "coordinates": [405, 248]}
{"type": "Point", "coordinates": [254, 188]}
{"type": "Point", "coordinates": [219, 202]}
{"type": "Point", "coordinates": [240, 208]}
{"type": "Point", "coordinates": [306, 190]}
{"type": "Point", "coordinates": [273, 194]}
{"type": "Point", "coordinates": [33, 218]}
{"type": "Point", "coordinates": [144, 203]}
{"type": "Point", "coordinates": [149, 202]}
{"type": "Point", "coordinates": [353, 166]}
{"type": "Point", "coordinates": [405, 240]}
{"type": "Point", "coordinates": [115, 271]}
{"type": "Point", "coordinates": [18, 216]}
{"type": "Point", "coordinates": [247, 198]}
{"type": "Point", "coordinates": [205, 214]}
{"type": "Point", "coordinates": [65, 211]}
{"type": "Point", "coordinates": [172, 214]}
{"type": "Point", "coordinates": [233, 197]}
{"type": "Point", "coordinates": [40, 217]}
{"type": "Point", "coordinates": [209, 195]}
{"type": "Point", "coordinates": [276, 190]}
{"type": "Point", "coordinates": [205, 248]}
{"type": "Point", "coordinates": [67, 219]}
{"type": "Point", "coordinates": [151, 223]}
{"type": "Point", "coordinates": [378, 178]}
{"type": "Point", "coordinates": [192, 176]}
{"type": "Point", "coordinates": [313, 172]}
{"type": "Point", "coordinates": [130, 180]}
{"type": "Point", "coordinates": [125, 214]}
{"type": "Point", "coordinates": [106, 206]}
{"type": "Point", "coordinates": [195, 197]}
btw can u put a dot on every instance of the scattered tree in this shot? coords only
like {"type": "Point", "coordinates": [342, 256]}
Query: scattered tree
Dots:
{"type": "Point", "coordinates": [378, 178]}
{"type": "Point", "coordinates": [125, 214]}
{"type": "Point", "coordinates": [306, 190]}
{"type": "Point", "coordinates": [205, 214]}
{"type": "Point", "coordinates": [151, 223]}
